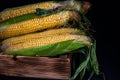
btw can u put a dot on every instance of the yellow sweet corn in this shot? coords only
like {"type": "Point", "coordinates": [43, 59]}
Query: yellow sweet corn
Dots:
{"type": "Point", "coordinates": [47, 40]}
{"type": "Point", "coordinates": [36, 24]}
{"type": "Point", "coordinates": [51, 32]}
{"type": "Point", "coordinates": [18, 11]}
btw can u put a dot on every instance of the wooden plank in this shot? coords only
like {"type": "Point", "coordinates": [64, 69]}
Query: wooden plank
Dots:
{"type": "Point", "coordinates": [38, 67]}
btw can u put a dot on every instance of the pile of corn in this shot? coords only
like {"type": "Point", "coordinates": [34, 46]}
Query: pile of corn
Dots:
{"type": "Point", "coordinates": [24, 32]}
{"type": "Point", "coordinates": [47, 29]}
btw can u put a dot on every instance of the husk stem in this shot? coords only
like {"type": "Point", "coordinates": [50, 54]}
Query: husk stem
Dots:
{"type": "Point", "coordinates": [91, 59]}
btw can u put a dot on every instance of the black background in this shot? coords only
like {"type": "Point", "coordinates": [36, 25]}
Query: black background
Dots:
{"type": "Point", "coordinates": [104, 17]}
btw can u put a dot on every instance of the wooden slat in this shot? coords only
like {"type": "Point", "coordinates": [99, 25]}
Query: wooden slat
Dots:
{"type": "Point", "coordinates": [38, 67]}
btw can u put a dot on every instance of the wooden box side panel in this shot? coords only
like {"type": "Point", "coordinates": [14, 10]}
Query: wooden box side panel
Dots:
{"type": "Point", "coordinates": [38, 67]}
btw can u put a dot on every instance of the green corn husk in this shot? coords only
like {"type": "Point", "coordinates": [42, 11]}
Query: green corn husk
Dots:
{"type": "Point", "coordinates": [18, 19]}
{"type": "Point", "coordinates": [88, 64]}
{"type": "Point", "coordinates": [49, 50]}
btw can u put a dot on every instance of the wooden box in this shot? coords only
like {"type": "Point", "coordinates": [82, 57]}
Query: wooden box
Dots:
{"type": "Point", "coordinates": [36, 67]}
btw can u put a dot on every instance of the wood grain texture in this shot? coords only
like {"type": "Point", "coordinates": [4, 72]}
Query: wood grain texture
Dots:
{"type": "Point", "coordinates": [38, 67]}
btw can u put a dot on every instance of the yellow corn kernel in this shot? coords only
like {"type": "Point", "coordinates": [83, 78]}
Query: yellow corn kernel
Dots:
{"type": "Point", "coordinates": [51, 32]}
{"type": "Point", "coordinates": [36, 24]}
{"type": "Point", "coordinates": [31, 8]}
{"type": "Point", "coordinates": [48, 40]}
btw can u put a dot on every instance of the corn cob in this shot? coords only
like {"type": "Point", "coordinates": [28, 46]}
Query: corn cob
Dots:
{"type": "Point", "coordinates": [47, 40]}
{"type": "Point", "coordinates": [36, 24]}
{"type": "Point", "coordinates": [20, 39]}
{"type": "Point", "coordinates": [18, 11]}
{"type": "Point", "coordinates": [49, 50]}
